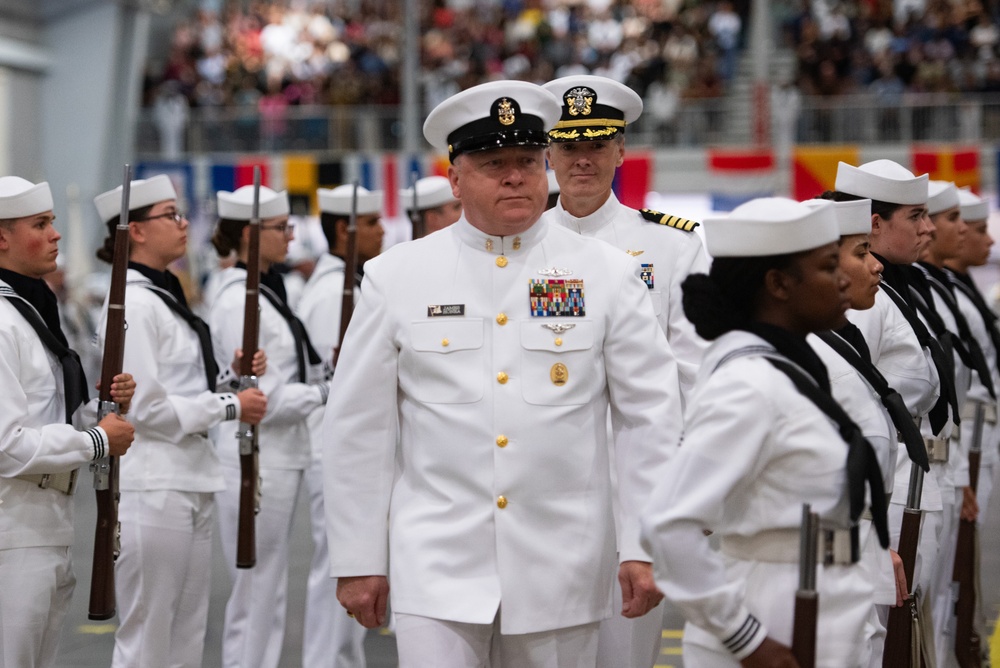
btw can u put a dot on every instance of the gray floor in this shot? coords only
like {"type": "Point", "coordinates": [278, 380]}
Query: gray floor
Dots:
{"type": "Point", "coordinates": [88, 644]}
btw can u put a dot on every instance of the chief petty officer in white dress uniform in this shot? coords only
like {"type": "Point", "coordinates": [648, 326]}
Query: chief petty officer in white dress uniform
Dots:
{"type": "Point", "coordinates": [42, 385]}
{"type": "Point", "coordinates": [162, 576]}
{"type": "Point", "coordinates": [755, 448]}
{"type": "Point", "coordinates": [255, 613]}
{"type": "Point", "coordinates": [330, 638]}
{"type": "Point", "coordinates": [469, 412]}
{"type": "Point", "coordinates": [588, 144]}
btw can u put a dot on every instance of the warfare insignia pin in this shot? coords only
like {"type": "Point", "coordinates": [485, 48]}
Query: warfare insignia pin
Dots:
{"type": "Point", "coordinates": [559, 327]}
{"type": "Point", "coordinates": [556, 298]}
{"type": "Point", "coordinates": [579, 101]}
{"type": "Point", "coordinates": [635, 253]}
{"type": "Point", "coordinates": [555, 272]}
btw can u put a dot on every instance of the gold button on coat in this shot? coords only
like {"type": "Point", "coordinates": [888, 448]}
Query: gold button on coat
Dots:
{"type": "Point", "coordinates": [501, 502]}
{"type": "Point", "coordinates": [558, 341]}
{"type": "Point", "coordinates": [502, 319]}
{"type": "Point", "coordinates": [502, 378]}
{"type": "Point", "coordinates": [502, 441]}
{"type": "Point", "coordinates": [501, 262]}
{"type": "Point", "coordinates": [445, 342]}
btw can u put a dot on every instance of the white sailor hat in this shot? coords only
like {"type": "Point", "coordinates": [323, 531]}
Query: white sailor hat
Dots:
{"type": "Point", "coordinates": [553, 182]}
{"type": "Point", "coordinates": [973, 207]}
{"type": "Point", "coordinates": [853, 217]}
{"type": "Point", "coordinates": [941, 196]}
{"type": "Point", "coordinates": [593, 107]}
{"type": "Point", "coordinates": [238, 205]}
{"type": "Point", "coordinates": [432, 191]}
{"type": "Point", "coordinates": [338, 200]}
{"type": "Point", "coordinates": [492, 115]}
{"type": "Point", "coordinates": [771, 226]}
{"type": "Point", "coordinates": [884, 181]}
{"type": "Point", "coordinates": [142, 193]}
{"type": "Point", "coordinates": [20, 198]}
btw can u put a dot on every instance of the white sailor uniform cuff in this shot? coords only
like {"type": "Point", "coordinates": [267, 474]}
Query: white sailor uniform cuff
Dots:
{"type": "Point", "coordinates": [98, 439]}
{"type": "Point", "coordinates": [232, 406]}
{"type": "Point", "coordinates": [743, 641]}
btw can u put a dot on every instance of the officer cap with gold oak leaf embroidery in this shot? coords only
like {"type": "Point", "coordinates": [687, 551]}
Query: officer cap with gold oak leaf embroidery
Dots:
{"type": "Point", "coordinates": [492, 115]}
{"type": "Point", "coordinates": [593, 108]}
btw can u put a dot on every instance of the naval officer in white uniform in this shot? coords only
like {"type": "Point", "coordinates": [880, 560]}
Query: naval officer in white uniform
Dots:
{"type": "Point", "coordinates": [42, 386]}
{"type": "Point", "coordinates": [466, 461]}
{"type": "Point", "coordinates": [329, 637]}
{"type": "Point", "coordinates": [588, 145]}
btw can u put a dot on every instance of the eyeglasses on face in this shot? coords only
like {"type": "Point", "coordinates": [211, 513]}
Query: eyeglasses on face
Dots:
{"type": "Point", "coordinates": [284, 228]}
{"type": "Point", "coordinates": [175, 216]}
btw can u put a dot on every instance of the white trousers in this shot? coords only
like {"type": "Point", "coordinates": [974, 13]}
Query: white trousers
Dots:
{"type": "Point", "coordinates": [330, 638]}
{"type": "Point", "coordinates": [163, 578]}
{"type": "Point", "coordinates": [424, 642]}
{"type": "Point", "coordinates": [943, 602]}
{"type": "Point", "coordinates": [36, 584]}
{"type": "Point", "coordinates": [629, 643]}
{"type": "Point", "coordinates": [254, 626]}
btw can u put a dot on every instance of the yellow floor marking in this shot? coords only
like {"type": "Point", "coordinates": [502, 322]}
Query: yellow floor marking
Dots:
{"type": "Point", "coordinates": [995, 645]}
{"type": "Point", "coordinates": [96, 629]}
{"type": "Point", "coordinates": [672, 633]}
{"type": "Point", "coordinates": [672, 651]}
{"type": "Point", "coordinates": [664, 665]}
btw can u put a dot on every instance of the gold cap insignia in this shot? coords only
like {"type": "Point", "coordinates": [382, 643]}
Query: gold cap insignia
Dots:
{"type": "Point", "coordinates": [505, 112]}
{"type": "Point", "coordinates": [579, 101]}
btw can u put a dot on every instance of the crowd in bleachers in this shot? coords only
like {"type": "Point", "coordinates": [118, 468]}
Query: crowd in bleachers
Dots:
{"type": "Point", "coordinates": [274, 54]}
{"type": "Point", "coordinates": [890, 48]}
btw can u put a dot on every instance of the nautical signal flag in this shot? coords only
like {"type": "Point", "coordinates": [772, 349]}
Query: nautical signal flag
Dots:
{"type": "Point", "coordinates": [740, 175]}
{"type": "Point", "coordinates": [958, 164]}
{"type": "Point", "coordinates": [814, 168]}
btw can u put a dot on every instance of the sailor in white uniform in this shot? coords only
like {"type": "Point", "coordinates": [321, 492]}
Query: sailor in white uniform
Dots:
{"type": "Point", "coordinates": [762, 436]}
{"type": "Point", "coordinates": [434, 203]}
{"type": "Point", "coordinates": [168, 481]}
{"type": "Point", "coordinates": [466, 458]}
{"type": "Point", "coordinates": [41, 448]}
{"type": "Point", "coordinates": [255, 613]}
{"type": "Point", "coordinates": [588, 144]}
{"type": "Point", "coordinates": [330, 638]}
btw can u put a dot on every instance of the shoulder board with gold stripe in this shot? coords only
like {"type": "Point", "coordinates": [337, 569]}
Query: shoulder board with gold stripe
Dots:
{"type": "Point", "coordinates": [675, 222]}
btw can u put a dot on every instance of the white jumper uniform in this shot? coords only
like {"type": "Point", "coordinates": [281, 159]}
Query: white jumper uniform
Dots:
{"type": "Point", "coordinates": [255, 614]}
{"type": "Point", "coordinates": [466, 450]}
{"type": "Point", "coordinates": [754, 451]}
{"type": "Point", "coordinates": [36, 524]}
{"type": "Point", "coordinates": [667, 256]}
{"type": "Point", "coordinates": [167, 482]}
{"type": "Point", "coordinates": [330, 638]}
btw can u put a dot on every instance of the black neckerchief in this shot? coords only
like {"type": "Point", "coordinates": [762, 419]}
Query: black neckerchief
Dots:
{"type": "Point", "coordinates": [795, 348]}
{"type": "Point", "coordinates": [162, 289]}
{"type": "Point", "coordinates": [969, 288]}
{"type": "Point", "coordinates": [897, 277]}
{"type": "Point", "coordinates": [853, 335]}
{"type": "Point", "coordinates": [303, 346]}
{"type": "Point", "coordinates": [163, 280]}
{"type": "Point", "coordinates": [37, 292]}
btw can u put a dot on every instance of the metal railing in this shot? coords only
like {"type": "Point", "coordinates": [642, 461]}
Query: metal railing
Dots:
{"type": "Point", "coordinates": [845, 119]}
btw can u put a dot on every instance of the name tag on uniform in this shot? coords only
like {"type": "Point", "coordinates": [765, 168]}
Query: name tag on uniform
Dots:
{"type": "Point", "coordinates": [438, 310]}
{"type": "Point", "coordinates": [556, 297]}
{"type": "Point", "coordinates": [647, 275]}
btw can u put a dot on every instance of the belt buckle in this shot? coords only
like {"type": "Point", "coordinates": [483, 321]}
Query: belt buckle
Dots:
{"type": "Point", "coordinates": [43, 482]}
{"type": "Point", "coordinates": [835, 548]}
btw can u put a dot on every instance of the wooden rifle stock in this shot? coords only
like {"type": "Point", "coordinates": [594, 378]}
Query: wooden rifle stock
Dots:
{"type": "Point", "coordinates": [350, 269]}
{"type": "Point", "coordinates": [106, 534]}
{"type": "Point", "coordinates": [903, 648]}
{"type": "Point", "coordinates": [246, 537]}
{"type": "Point", "coordinates": [806, 598]}
{"type": "Point", "coordinates": [967, 641]}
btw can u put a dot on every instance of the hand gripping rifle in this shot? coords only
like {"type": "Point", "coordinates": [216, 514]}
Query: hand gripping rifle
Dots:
{"type": "Point", "coordinates": [350, 268]}
{"type": "Point", "coordinates": [246, 538]}
{"type": "Point", "coordinates": [806, 598]}
{"type": "Point", "coordinates": [903, 644]}
{"type": "Point", "coordinates": [966, 571]}
{"type": "Point", "coordinates": [107, 535]}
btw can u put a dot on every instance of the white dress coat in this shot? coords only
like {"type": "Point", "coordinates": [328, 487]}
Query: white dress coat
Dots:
{"type": "Point", "coordinates": [34, 436]}
{"type": "Point", "coordinates": [674, 255]}
{"type": "Point", "coordinates": [754, 451]}
{"type": "Point", "coordinates": [173, 409]}
{"type": "Point", "coordinates": [424, 434]}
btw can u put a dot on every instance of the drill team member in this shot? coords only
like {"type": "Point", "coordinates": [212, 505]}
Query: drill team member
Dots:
{"type": "Point", "coordinates": [172, 473]}
{"type": "Point", "coordinates": [466, 462]}
{"type": "Point", "coordinates": [436, 204]}
{"type": "Point", "coordinates": [40, 450]}
{"type": "Point", "coordinates": [330, 638]}
{"type": "Point", "coordinates": [587, 145]}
